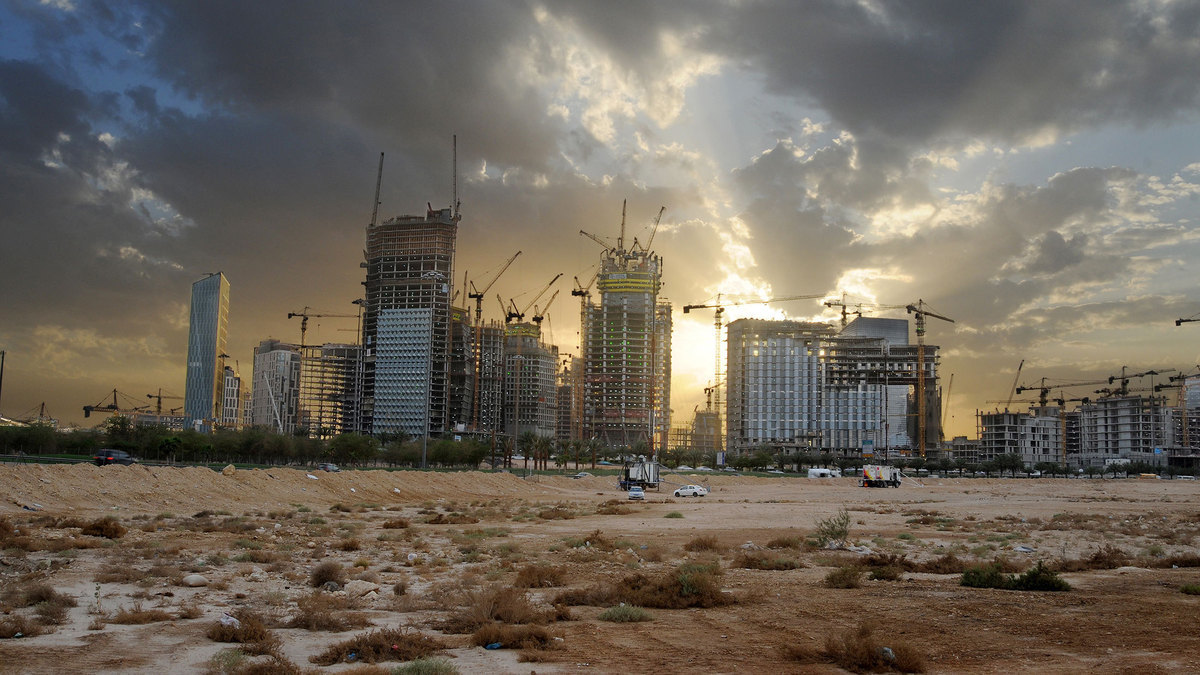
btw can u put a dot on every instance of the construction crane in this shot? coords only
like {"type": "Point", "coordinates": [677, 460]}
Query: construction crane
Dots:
{"type": "Point", "coordinates": [115, 407]}
{"type": "Point", "coordinates": [946, 405]}
{"type": "Point", "coordinates": [653, 231]}
{"type": "Point", "coordinates": [1013, 390]}
{"type": "Point", "coordinates": [305, 316]}
{"type": "Point", "coordinates": [538, 315]}
{"type": "Point", "coordinates": [919, 311]}
{"type": "Point", "coordinates": [1182, 320]}
{"type": "Point", "coordinates": [159, 397]}
{"type": "Point", "coordinates": [378, 182]}
{"type": "Point", "coordinates": [477, 294]}
{"type": "Point", "coordinates": [519, 314]}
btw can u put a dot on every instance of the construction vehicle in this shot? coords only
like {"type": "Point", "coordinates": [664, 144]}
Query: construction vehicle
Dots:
{"type": "Point", "coordinates": [880, 476]}
{"type": "Point", "coordinates": [641, 473]}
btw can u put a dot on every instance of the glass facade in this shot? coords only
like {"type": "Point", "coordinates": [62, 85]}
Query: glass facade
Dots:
{"type": "Point", "coordinates": [207, 332]}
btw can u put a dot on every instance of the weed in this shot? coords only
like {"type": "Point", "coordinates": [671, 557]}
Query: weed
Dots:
{"type": "Point", "coordinates": [513, 637]}
{"type": "Point", "coordinates": [397, 524]}
{"type": "Point", "coordinates": [540, 576]}
{"type": "Point", "coordinates": [558, 512]}
{"type": "Point", "coordinates": [704, 543]}
{"type": "Point", "coordinates": [17, 625]}
{"type": "Point", "coordinates": [786, 542]}
{"type": "Point", "coordinates": [426, 666]}
{"type": "Point", "coordinates": [849, 576]}
{"type": "Point", "coordinates": [385, 644]}
{"type": "Point", "coordinates": [349, 544]}
{"type": "Point", "coordinates": [689, 585]}
{"type": "Point", "coordinates": [946, 564]}
{"type": "Point", "coordinates": [888, 573]}
{"type": "Point", "coordinates": [860, 651]}
{"type": "Point", "coordinates": [136, 615]}
{"type": "Point", "coordinates": [247, 628]}
{"type": "Point", "coordinates": [325, 612]}
{"type": "Point", "coordinates": [326, 572]}
{"type": "Point", "coordinates": [1190, 589]}
{"type": "Point", "coordinates": [106, 527]}
{"type": "Point", "coordinates": [673, 514]}
{"type": "Point", "coordinates": [625, 614]}
{"type": "Point", "coordinates": [835, 530]}
{"type": "Point", "coordinates": [764, 560]}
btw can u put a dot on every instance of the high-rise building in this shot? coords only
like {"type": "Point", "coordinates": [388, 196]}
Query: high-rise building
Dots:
{"type": "Point", "coordinates": [276, 391]}
{"type": "Point", "coordinates": [406, 324]}
{"type": "Point", "coordinates": [232, 400]}
{"type": "Point", "coordinates": [488, 411]}
{"type": "Point", "coordinates": [530, 382]}
{"type": "Point", "coordinates": [799, 386]}
{"type": "Point", "coordinates": [328, 394]}
{"type": "Point", "coordinates": [208, 328]}
{"type": "Point", "coordinates": [463, 369]}
{"type": "Point", "coordinates": [627, 352]}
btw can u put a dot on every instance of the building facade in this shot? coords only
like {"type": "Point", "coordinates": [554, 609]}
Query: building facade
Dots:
{"type": "Point", "coordinates": [329, 376]}
{"type": "Point", "coordinates": [233, 400]}
{"type": "Point", "coordinates": [208, 329]}
{"type": "Point", "coordinates": [627, 352]}
{"type": "Point", "coordinates": [530, 382]}
{"type": "Point", "coordinates": [406, 321]}
{"type": "Point", "coordinates": [276, 389]}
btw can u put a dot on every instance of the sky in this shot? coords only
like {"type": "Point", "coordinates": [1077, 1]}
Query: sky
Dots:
{"type": "Point", "coordinates": [1028, 169]}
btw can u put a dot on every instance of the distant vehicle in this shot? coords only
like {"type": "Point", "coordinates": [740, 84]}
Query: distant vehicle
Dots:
{"type": "Point", "coordinates": [774, 471]}
{"type": "Point", "coordinates": [684, 467]}
{"type": "Point", "coordinates": [880, 475]}
{"type": "Point", "coordinates": [1185, 477]}
{"type": "Point", "coordinates": [604, 463]}
{"type": "Point", "coordinates": [581, 474]}
{"type": "Point", "coordinates": [824, 473]}
{"type": "Point", "coordinates": [638, 493]}
{"type": "Point", "coordinates": [107, 456]}
{"type": "Point", "coordinates": [691, 491]}
{"type": "Point", "coordinates": [703, 468]}
{"type": "Point", "coordinates": [643, 474]}
{"type": "Point", "coordinates": [328, 467]}
{"type": "Point", "coordinates": [730, 469]}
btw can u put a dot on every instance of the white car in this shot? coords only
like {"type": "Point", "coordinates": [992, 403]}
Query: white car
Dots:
{"type": "Point", "coordinates": [638, 493]}
{"type": "Point", "coordinates": [691, 491]}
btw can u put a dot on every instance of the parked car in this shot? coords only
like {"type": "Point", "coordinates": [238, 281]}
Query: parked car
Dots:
{"type": "Point", "coordinates": [107, 456]}
{"type": "Point", "coordinates": [703, 468]}
{"type": "Point", "coordinates": [328, 467]}
{"type": "Point", "coordinates": [581, 474]}
{"type": "Point", "coordinates": [691, 491]}
{"type": "Point", "coordinates": [637, 493]}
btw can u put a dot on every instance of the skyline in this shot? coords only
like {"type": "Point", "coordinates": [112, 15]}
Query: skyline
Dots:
{"type": "Point", "coordinates": [1016, 170]}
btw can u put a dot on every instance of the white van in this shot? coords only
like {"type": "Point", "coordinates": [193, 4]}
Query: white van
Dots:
{"type": "Point", "coordinates": [824, 473]}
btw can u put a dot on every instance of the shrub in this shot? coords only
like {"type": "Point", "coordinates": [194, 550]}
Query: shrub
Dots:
{"type": "Point", "coordinates": [888, 573]}
{"type": "Point", "coordinates": [985, 576]}
{"type": "Point", "coordinates": [540, 576]}
{"type": "Point", "coordinates": [849, 576]}
{"type": "Point", "coordinates": [137, 616]}
{"type": "Point", "coordinates": [325, 612]}
{"type": "Point", "coordinates": [107, 527]}
{"type": "Point", "coordinates": [325, 572]}
{"type": "Point", "coordinates": [673, 514]}
{"type": "Point", "coordinates": [349, 544]}
{"type": "Point", "coordinates": [704, 543]}
{"type": "Point", "coordinates": [16, 624]}
{"type": "Point", "coordinates": [947, 564]}
{"type": "Point", "coordinates": [248, 629]}
{"type": "Point", "coordinates": [860, 651]}
{"type": "Point", "coordinates": [1191, 589]}
{"type": "Point", "coordinates": [625, 614]}
{"type": "Point", "coordinates": [1040, 578]}
{"type": "Point", "coordinates": [513, 637]}
{"type": "Point", "coordinates": [786, 542]}
{"type": "Point", "coordinates": [835, 530]}
{"type": "Point", "coordinates": [764, 560]}
{"type": "Point", "coordinates": [426, 666]}
{"type": "Point", "coordinates": [385, 644]}
{"type": "Point", "coordinates": [397, 524]}
{"type": "Point", "coordinates": [689, 585]}
{"type": "Point", "coordinates": [497, 603]}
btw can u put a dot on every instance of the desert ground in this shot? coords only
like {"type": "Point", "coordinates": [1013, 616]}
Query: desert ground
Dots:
{"type": "Point", "coordinates": [138, 569]}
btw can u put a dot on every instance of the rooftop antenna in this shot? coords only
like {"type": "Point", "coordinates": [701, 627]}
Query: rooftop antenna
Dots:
{"type": "Point", "coordinates": [378, 182]}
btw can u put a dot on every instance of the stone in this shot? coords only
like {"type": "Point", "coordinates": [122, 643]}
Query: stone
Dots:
{"type": "Point", "coordinates": [194, 580]}
{"type": "Point", "coordinates": [358, 588]}
{"type": "Point", "coordinates": [229, 470]}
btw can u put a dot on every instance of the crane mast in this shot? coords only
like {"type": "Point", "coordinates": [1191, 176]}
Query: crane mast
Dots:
{"type": "Point", "coordinates": [919, 311]}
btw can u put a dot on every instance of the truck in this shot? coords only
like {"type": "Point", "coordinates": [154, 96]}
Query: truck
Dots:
{"type": "Point", "coordinates": [880, 475]}
{"type": "Point", "coordinates": [642, 473]}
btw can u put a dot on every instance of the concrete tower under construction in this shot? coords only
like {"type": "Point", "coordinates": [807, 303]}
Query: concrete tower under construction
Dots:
{"type": "Point", "coordinates": [406, 324]}
{"type": "Point", "coordinates": [627, 350]}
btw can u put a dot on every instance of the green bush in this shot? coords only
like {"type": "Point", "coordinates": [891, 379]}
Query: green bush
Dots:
{"type": "Point", "coordinates": [625, 614]}
{"type": "Point", "coordinates": [985, 576]}
{"type": "Point", "coordinates": [1039, 578]}
{"type": "Point", "coordinates": [844, 577]}
{"type": "Point", "coordinates": [1191, 589]}
{"type": "Point", "coordinates": [834, 531]}
{"type": "Point", "coordinates": [673, 514]}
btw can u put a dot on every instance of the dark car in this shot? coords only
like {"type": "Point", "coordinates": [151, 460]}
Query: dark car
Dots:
{"type": "Point", "coordinates": [113, 457]}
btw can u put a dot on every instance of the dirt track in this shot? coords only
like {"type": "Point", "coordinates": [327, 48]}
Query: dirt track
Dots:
{"type": "Point", "coordinates": [1129, 619]}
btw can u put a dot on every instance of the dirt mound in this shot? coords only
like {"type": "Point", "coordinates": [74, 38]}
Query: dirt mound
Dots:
{"type": "Point", "coordinates": [86, 487]}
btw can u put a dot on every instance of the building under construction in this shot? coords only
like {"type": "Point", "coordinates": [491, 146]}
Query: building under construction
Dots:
{"type": "Point", "coordinates": [626, 343]}
{"type": "Point", "coordinates": [530, 382]}
{"type": "Point", "coordinates": [329, 377]}
{"type": "Point", "coordinates": [406, 324]}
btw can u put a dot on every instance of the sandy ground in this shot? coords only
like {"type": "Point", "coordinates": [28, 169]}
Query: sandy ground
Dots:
{"type": "Point", "coordinates": [257, 536]}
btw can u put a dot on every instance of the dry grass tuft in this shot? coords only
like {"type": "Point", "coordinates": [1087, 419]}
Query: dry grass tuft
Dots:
{"type": "Point", "coordinates": [947, 564]}
{"type": "Point", "coordinates": [540, 576]}
{"type": "Point", "coordinates": [397, 524]}
{"type": "Point", "coordinates": [107, 527]}
{"type": "Point", "coordinates": [764, 560]}
{"type": "Point", "coordinates": [513, 637]}
{"type": "Point", "coordinates": [249, 630]}
{"type": "Point", "coordinates": [18, 625]}
{"type": "Point", "coordinates": [385, 644]}
{"type": "Point", "coordinates": [496, 603]}
{"type": "Point", "coordinates": [325, 572]}
{"type": "Point", "coordinates": [137, 616]}
{"type": "Point", "coordinates": [849, 576]}
{"type": "Point", "coordinates": [325, 612]}
{"type": "Point", "coordinates": [689, 585]}
{"type": "Point", "coordinates": [860, 651]}
{"type": "Point", "coordinates": [704, 543]}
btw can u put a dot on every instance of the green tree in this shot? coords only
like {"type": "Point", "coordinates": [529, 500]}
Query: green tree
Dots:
{"type": "Point", "coordinates": [353, 449]}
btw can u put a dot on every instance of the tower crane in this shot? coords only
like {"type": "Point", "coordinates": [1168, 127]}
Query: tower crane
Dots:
{"type": "Point", "coordinates": [1182, 320]}
{"type": "Point", "coordinates": [305, 316]}
{"type": "Point", "coordinates": [919, 312]}
{"type": "Point", "coordinates": [519, 314]}
{"type": "Point", "coordinates": [477, 295]}
{"type": "Point", "coordinates": [159, 397]}
{"type": "Point", "coordinates": [1013, 390]}
{"type": "Point", "coordinates": [115, 407]}
{"type": "Point", "coordinates": [538, 315]}
{"type": "Point", "coordinates": [653, 231]}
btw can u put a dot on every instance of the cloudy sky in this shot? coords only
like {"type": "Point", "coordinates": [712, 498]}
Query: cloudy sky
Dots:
{"type": "Point", "coordinates": [1029, 169]}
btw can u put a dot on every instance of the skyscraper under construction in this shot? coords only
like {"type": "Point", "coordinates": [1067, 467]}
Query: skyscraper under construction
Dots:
{"type": "Point", "coordinates": [406, 324]}
{"type": "Point", "coordinates": [627, 350]}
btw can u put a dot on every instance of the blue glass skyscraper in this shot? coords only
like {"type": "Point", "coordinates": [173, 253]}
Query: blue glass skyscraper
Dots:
{"type": "Point", "coordinates": [208, 328]}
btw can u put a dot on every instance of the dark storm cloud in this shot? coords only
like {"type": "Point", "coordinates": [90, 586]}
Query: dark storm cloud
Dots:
{"type": "Point", "coordinates": [923, 71]}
